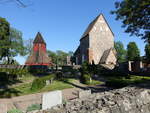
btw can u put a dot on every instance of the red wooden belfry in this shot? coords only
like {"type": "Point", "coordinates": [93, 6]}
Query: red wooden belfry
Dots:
{"type": "Point", "coordinates": [38, 55]}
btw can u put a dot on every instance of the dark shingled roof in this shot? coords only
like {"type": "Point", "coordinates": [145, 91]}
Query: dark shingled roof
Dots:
{"type": "Point", "coordinates": [39, 38]}
{"type": "Point", "coordinates": [38, 57]}
{"type": "Point", "coordinates": [89, 28]}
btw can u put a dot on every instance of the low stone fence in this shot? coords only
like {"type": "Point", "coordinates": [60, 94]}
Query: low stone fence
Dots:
{"type": "Point", "coordinates": [12, 66]}
{"type": "Point", "coordinates": [125, 100]}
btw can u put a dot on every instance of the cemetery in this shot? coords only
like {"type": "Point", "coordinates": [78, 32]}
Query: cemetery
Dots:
{"type": "Point", "coordinates": [98, 75]}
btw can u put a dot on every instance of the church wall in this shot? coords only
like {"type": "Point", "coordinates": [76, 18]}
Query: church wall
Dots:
{"type": "Point", "coordinates": [101, 39]}
{"type": "Point", "coordinates": [111, 58]}
{"type": "Point", "coordinates": [84, 45]}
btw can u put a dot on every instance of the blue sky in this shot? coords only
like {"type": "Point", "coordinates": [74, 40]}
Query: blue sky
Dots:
{"type": "Point", "coordinates": [62, 22]}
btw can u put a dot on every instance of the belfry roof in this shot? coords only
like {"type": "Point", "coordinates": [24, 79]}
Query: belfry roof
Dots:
{"type": "Point", "coordinates": [39, 38]}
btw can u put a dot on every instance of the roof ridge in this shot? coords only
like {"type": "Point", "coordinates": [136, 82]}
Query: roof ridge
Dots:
{"type": "Point", "coordinates": [90, 26]}
{"type": "Point", "coordinates": [39, 38]}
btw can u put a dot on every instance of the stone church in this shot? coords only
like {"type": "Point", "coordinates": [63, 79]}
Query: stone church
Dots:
{"type": "Point", "coordinates": [97, 44]}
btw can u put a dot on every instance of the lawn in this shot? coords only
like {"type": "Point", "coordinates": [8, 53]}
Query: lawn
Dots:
{"type": "Point", "coordinates": [95, 82]}
{"type": "Point", "coordinates": [24, 89]}
{"type": "Point", "coordinates": [119, 82]}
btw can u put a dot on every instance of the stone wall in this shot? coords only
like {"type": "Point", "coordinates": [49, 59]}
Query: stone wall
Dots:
{"type": "Point", "coordinates": [84, 45]}
{"type": "Point", "coordinates": [101, 39]}
{"type": "Point", "coordinates": [125, 100]}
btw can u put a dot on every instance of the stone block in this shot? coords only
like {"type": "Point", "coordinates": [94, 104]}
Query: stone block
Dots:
{"type": "Point", "coordinates": [51, 99]}
{"type": "Point", "coordinates": [84, 94]}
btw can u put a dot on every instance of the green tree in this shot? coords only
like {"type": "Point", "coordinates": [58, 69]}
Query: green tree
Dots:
{"type": "Point", "coordinates": [28, 44]}
{"type": "Point", "coordinates": [17, 45]}
{"type": "Point", "coordinates": [61, 57]}
{"type": "Point", "coordinates": [53, 56]}
{"type": "Point", "coordinates": [4, 38]}
{"type": "Point", "coordinates": [70, 53]}
{"type": "Point", "coordinates": [11, 43]}
{"type": "Point", "coordinates": [147, 52]}
{"type": "Point", "coordinates": [133, 52]}
{"type": "Point", "coordinates": [135, 16]}
{"type": "Point", "coordinates": [121, 52]}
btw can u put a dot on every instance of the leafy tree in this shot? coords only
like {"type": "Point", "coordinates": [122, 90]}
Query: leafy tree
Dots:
{"type": "Point", "coordinates": [59, 57]}
{"type": "Point", "coordinates": [11, 43]}
{"type": "Point", "coordinates": [28, 44]}
{"type": "Point", "coordinates": [4, 38]}
{"type": "Point", "coordinates": [135, 16]}
{"type": "Point", "coordinates": [53, 56]}
{"type": "Point", "coordinates": [17, 45]}
{"type": "Point", "coordinates": [147, 52]}
{"type": "Point", "coordinates": [121, 52]}
{"type": "Point", "coordinates": [133, 52]}
{"type": "Point", "coordinates": [70, 53]}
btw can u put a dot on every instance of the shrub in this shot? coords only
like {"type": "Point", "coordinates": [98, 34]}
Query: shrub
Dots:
{"type": "Point", "coordinates": [84, 68]}
{"type": "Point", "coordinates": [3, 77]}
{"type": "Point", "coordinates": [40, 82]}
{"type": "Point", "coordinates": [33, 107]}
{"type": "Point", "coordinates": [59, 75]}
{"type": "Point", "coordinates": [85, 78]}
{"type": "Point", "coordinates": [15, 111]}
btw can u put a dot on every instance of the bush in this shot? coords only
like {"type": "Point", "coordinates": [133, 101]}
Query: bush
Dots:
{"type": "Point", "coordinates": [15, 111]}
{"type": "Point", "coordinates": [33, 107]}
{"type": "Point", "coordinates": [3, 77]}
{"type": "Point", "coordinates": [40, 82]}
{"type": "Point", "coordinates": [85, 78]}
{"type": "Point", "coordinates": [59, 75]}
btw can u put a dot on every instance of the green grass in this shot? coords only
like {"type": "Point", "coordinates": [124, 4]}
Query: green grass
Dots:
{"type": "Point", "coordinates": [124, 81]}
{"type": "Point", "coordinates": [27, 78]}
{"type": "Point", "coordinates": [57, 85]}
{"type": "Point", "coordinates": [24, 89]}
{"type": "Point", "coordinates": [95, 82]}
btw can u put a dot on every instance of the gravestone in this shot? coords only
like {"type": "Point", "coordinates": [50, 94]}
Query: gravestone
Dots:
{"type": "Point", "coordinates": [51, 99]}
{"type": "Point", "coordinates": [3, 108]}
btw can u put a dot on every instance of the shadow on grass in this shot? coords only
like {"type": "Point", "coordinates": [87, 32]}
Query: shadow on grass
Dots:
{"type": "Point", "coordinates": [8, 93]}
{"type": "Point", "coordinates": [94, 89]}
{"type": "Point", "coordinates": [8, 80]}
{"type": "Point", "coordinates": [142, 84]}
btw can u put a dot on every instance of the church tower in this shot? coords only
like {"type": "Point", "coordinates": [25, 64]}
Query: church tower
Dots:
{"type": "Point", "coordinates": [38, 55]}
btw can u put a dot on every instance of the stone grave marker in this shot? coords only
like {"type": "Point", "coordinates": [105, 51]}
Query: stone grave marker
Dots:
{"type": "Point", "coordinates": [51, 99]}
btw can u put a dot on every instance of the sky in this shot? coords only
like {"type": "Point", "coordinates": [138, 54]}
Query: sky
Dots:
{"type": "Point", "coordinates": [62, 22]}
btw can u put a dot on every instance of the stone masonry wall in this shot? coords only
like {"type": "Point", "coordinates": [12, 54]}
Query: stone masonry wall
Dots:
{"type": "Point", "coordinates": [84, 45]}
{"type": "Point", "coordinates": [125, 100]}
{"type": "Point", "coordinates": [101, 39]}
